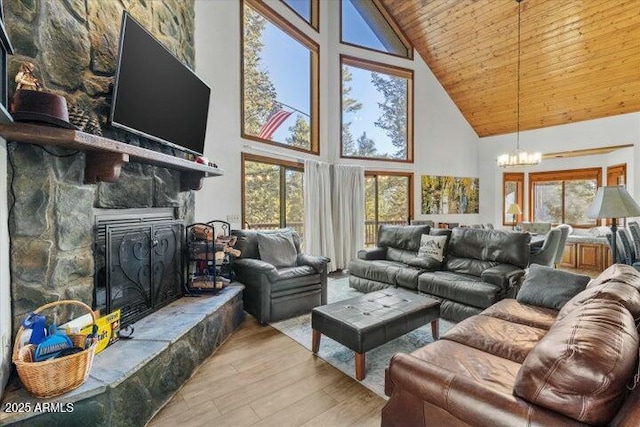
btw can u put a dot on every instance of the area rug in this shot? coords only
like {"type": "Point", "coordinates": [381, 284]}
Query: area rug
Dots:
{"type": "Point", "coordinates": [339, 356]}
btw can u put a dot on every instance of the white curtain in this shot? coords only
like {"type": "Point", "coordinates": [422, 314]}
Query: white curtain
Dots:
{"type": "Point", "coordinates": [318, 225]}
{"type": "Point", "coordinates": [348, 213]}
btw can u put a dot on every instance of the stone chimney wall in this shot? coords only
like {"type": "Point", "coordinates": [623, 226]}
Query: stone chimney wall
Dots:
{"type": "Point", "coordinates": [74, 47]}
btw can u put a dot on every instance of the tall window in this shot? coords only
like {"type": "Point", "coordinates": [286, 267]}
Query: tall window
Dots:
{"type": "Point", "coordinates": [377, 110]}
{"type": "Point", "coordinates": [272, 194]}
{"type": "Point", "coordinates": [564, 196]}
{"type": "Point", "coordinates": [367, 24]}
{"type": "Point", "coordinates": [306, 9]}
{"type": "Point", "coordinates": [279, 80]}
{"type": "Point", "coordinates": [512, 192]}
{"type": "Point", "coordinates": [388, 200]}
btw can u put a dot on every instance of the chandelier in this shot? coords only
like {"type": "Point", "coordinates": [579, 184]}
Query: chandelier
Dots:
{"type": "Point", "coordinates": [519, 157]}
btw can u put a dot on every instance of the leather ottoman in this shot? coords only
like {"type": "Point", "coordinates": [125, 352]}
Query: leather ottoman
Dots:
{"type": "Point", "coordinates": [368, 321]}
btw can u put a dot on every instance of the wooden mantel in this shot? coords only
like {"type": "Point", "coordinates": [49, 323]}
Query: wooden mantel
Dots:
{"type": "Point", "coordinates": [104, 156]}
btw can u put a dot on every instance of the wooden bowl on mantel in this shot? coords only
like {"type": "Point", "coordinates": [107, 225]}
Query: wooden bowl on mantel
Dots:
{"type": "Point", "coordinates": [40, 107]}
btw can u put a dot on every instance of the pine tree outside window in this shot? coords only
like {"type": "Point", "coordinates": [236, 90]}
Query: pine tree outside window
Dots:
{"type": "Point", "coordinates": [388, 200]}
{"type": "Point", "coordinates": [279, 80]}
{"type": "Point", "coordinates": [272, 194]}
{"type": "Point", "coordinates": [377, 110]}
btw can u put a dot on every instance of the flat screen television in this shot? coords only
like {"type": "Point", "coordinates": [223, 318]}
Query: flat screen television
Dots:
{"type": "Point", "coordinates": [155, 95]}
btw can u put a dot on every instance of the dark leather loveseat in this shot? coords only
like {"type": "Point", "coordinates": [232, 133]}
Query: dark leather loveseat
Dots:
{"type": "Point", "coordinates": [480, 266]}
{"type": "Point", "coordinates": [525, 365]}
{"type": "Point", "coordinates": [278, 292]}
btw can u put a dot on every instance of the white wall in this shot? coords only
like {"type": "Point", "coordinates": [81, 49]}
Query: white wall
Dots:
{"type": "Point", "coordinates": [616, 130]}
{"type": "Point", "coordinates": [445, 144]}
{"type": "Point", "coordinates": [5, 293]}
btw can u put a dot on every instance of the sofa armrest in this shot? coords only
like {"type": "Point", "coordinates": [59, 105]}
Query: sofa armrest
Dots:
{"type": "Point", "coordinates": [506, 276]}
{"type": "Point", "coordinates": [471, 401]}
{"type": "Point", "coordinates": [319, 263]}
{"type": "Point", "coordinates": [372, 253]}
{"type": "Point", "coordinates": [249, 267]}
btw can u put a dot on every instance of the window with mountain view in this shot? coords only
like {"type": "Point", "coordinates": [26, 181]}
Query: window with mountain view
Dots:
{"type": "Point", "coordinates": [279, 80]}
{"type": "Point", "coordinates": [376, 111]}
{"type": "Point", "coordinates": [272, 192]}
{"type": "Point", "coordinates": [366, 24]}
{"type": "Point", "coordinates": [564, 196]}
{"type": "Point", "coordinates": [388, 200]}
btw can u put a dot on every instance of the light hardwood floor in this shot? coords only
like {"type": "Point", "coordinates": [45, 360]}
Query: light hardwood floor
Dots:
{"type": "Point", "coordinates": [261, 377]}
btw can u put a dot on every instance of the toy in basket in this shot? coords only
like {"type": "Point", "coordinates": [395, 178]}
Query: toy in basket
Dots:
{"type": "Point", "coordinates": [63, 368]}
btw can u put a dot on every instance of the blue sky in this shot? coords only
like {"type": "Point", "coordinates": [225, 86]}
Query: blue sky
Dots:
{"type": "Point", "coordinates": [288, 64]}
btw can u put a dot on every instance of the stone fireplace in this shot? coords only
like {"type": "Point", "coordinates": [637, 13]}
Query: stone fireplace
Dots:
{"type": "Point", "coordinates": [138, 261]}
{"type": "Point", "coordinates": [73, 46]}
{"type": "Point", "coordinates": [53, 228]}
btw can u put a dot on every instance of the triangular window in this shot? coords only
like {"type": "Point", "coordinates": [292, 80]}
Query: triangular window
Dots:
{"type": "Point", "coordinates": [367, 24]}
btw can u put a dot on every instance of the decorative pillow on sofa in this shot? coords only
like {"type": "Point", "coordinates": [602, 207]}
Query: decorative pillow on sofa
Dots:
{"type": "Point", "coordinates": [277, 249]}
{"type": "Point", "coordinates": [432, 246]}
{"type": "Point", "coordinates": [547, 287]}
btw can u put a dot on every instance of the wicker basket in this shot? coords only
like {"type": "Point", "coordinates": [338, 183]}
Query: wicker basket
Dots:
{"type": "Point", "coordinates": [55, 376]}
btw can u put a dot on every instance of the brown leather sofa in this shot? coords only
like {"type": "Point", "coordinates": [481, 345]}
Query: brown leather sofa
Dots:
{"type": "Point", "coordinates": [522, 365]}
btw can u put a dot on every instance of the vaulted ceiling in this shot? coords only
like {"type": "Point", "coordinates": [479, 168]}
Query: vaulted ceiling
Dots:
{"type": "Point", "coordinates": [580, 59]}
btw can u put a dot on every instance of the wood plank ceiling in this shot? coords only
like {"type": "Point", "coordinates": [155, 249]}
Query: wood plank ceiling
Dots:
{"type": "Point", "coordinates": [580, 59]}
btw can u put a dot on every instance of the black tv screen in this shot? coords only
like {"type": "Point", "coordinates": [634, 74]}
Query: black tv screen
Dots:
{"type": "Point", "coordinates": [155, 95]}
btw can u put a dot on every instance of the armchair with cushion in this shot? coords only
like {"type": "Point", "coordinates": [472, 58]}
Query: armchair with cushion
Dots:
{"type": "Point", "coordinates": [280, 281]}
{"type": "Point", "coordinates": [546, 254]}
{"type": "Point", "coordinates": [566, 229]}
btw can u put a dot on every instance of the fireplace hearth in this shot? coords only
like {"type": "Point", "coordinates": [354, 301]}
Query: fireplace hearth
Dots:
{"type": "Point", "coordinates": [138, 261]}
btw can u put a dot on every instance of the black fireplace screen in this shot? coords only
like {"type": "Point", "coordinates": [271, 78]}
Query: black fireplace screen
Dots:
{"type": "Point", "coordinates": [138, 264]}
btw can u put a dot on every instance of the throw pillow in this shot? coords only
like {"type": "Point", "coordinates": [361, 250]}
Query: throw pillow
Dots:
{"type": "Point", "coordinates": [277, 249]}
{"type": "Point", "coordinates": [547, 287]}
{"type": "Point", "coordinates": [432, 246]}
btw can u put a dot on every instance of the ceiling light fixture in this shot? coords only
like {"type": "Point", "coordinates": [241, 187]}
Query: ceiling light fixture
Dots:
{"type": "Point", "coordinates": [519, 157]}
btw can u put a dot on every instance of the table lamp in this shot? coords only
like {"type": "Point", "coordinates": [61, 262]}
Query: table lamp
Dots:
{"type": "Point", "coordinates": [613, 202]}
{"type": "Point", "coordinates": [514, 210]}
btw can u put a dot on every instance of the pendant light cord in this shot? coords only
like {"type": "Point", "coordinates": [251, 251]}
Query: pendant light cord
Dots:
{"type": "Point", "coordinates": [518, 97]}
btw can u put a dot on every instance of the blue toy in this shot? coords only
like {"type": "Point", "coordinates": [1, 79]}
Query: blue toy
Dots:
{"type": "Point", "coordinates": [35, 322]}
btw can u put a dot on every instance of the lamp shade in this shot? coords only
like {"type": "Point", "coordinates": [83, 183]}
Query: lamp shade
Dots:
{"type": "Point", "coordinates": [613, 202]}
{"type": "Point", "coordinates": [514, 209]}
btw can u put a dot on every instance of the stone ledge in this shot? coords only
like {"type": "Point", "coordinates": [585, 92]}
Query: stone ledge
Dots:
{"type": "Point", "coordinates": [132, 379]}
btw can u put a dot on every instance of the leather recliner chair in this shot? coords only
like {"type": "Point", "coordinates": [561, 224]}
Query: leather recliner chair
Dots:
{"type": "Point", "coordinates": [272, 293]}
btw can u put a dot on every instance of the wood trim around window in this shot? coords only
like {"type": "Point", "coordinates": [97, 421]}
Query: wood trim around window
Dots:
{"type": "Point", "coordinates": [617, 175]}
{"type": "Point", "coordinates": [314, 49]}
{"type": "Point", "coordinates": [247, 157]}
{"type": "Point", "coordinates": [378, 67]}
{"type": "Point", "coordinates": [315, 13]}
{"type": "Point", "coordinates": [374, 173]}
{"type": "Point", "coordinates": [394, 26]}
{"type": "Point", "coordinates": [518, 178]}
{"type": "Point", "coordinates": [563, 175]}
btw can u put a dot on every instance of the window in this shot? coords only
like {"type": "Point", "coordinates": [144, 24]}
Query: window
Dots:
{"type": "Point", "coordinates": [513, 192]}
{"type": "Point", "coordinates": [388, 200]}
{"type": "Point", "coordinates": [367, 24]}
{"type": "Point", "coordinates": [272, 194]}
{"type": "Point", "coordinates": [377, 111]}
{"type": "Point", "coordinates": [564, 196]}
{"type": "Point", "coordinates": [306, 9]}
{"type": "Point", "coordinates": [279, 80]}
{"type": "Point", "coordinates": [617, 175]}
